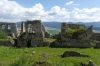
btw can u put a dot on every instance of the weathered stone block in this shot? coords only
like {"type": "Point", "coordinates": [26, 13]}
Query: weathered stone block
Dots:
{"type": "Point", "coordinates": [46, 43]}
{"type": "Point", "coordinates": [6, 42]}
{"type": "Point", "coordinates": [73, 53]}
{"type": "Point", "coordinates": [97, 44]}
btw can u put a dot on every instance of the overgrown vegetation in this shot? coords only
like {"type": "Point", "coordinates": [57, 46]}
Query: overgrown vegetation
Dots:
{"type": "Point", "coordinates": [53, 32]}
{"type": "Point", "coordinates": [2, 34]}
{"type": "Point", "coordinates": [74, 31]}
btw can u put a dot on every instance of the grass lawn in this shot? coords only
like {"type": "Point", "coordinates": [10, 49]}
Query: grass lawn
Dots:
{"type": "Point", "coordinates": [10, 56]}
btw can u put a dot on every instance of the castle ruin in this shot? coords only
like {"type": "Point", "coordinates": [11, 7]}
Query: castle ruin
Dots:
{"type": "Point", "coordinates": [32, 34]}
{"type": "Point", "coordinates": [9, 28]}
{"type": "Point", "coordinates": [81, 41]}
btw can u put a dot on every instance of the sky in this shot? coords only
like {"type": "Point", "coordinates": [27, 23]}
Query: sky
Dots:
{"type": "Point", "coordinates": [50, 10]}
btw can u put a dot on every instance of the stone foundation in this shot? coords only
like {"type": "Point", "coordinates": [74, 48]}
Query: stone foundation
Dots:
{"type": "Point", "coordinates": [6, 42]}
{"type": "Point", "coordinates": [72, 43]}
{"type": "Point", "coordinates": [97, 44]}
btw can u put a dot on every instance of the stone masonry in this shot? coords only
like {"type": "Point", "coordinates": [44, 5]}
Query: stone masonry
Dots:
{"type": "Point", "coordinates": [32, 34]}
{"type": "Point", "coordinates": [81, 41]}
{"type": "Point", "coordinates": [9, 28]}
{"type": "Point", "coordinates": [96, 36]}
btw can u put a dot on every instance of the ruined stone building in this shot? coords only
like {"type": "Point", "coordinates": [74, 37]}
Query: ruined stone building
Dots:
{"type": "Point", "coordinates": [81, 41]}
{"type": "Point", "coordinates": [96, 36]}
{"type": "Point", "coordinates": [9, 28]}
{"type": "Point", "coordinates": [32, 34]}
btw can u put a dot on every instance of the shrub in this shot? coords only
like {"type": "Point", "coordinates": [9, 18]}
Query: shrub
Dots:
{"type": "Point", "coordinates": [74, 31]}
{"type": "Point", "coordinates": [2, 34]}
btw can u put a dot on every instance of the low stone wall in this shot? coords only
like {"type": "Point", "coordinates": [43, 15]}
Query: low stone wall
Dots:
{"type": "Point", "coordinates": [79, 43]}
{"type": "Point", "coordinates": [95, 36]}
{"type": "Point", "coordinates": [6, 42]}
{"type": "Point", "coordinates": [72, 43]}
{"type": "Point", "coordinates": [97, 44]}
{"type": "Point", "coordinates": [46, 43]}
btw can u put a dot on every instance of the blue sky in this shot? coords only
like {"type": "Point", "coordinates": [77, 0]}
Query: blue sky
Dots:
{"type": "Point", "coordinates": [50, 10]}
{"type": "Point", "coordinates": [48, 4]}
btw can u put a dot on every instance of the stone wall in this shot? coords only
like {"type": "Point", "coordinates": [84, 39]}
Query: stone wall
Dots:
{"type": "Point", "coordinates": [9, 28]}
{"type": "Point", "coordinates": [63, 35]}
{"type": "Point", "coordinates": [95, 36]}
{"type": "Point", "coordinates": [31, 34]}
{"type": "Point", "coordinates": [86, 34]}
{"type": "Point", "coordinates": [81, 41]}
{"type": "Point", "coordinates": [46, 33]}
{"type": "Point", "coordinates": [97, 44]}
{"type": "Point", "coordinates": [72, 43]}
{"type": "Point", "coordinates": [6, 42]}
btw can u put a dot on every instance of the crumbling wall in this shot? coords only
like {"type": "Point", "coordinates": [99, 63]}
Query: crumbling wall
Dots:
{"type": "Point", "coordinates": [9, 28]}
{"type": "Point", "coordinates": [46, 33]}
{"type": "Point", "coordinates": [95, 36]}
{"type": "Point", "coordinates": [31, 34]}
{"type": "Point", "coordinates": [63, 35]}
{"type": "Point", "coordinates": [6, 42]}
{"type": "Point", "coordinates": [86, 34]}
{"type": "Point", "coordinates": [97, 44]}
{"type": "Point", "coordinates": [64, 41]}
{"type": "Point", "coordinates": [72, 43]}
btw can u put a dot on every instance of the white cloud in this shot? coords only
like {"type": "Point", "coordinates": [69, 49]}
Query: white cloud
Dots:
{"type": "Point", "coordinates": [85, 14]}
{"type": "Point", "coordinates": [72, 3]}
{"type": "Point", "coordinates": [10, 11]}
{"type": "Point", "coordinates": [69, 3]}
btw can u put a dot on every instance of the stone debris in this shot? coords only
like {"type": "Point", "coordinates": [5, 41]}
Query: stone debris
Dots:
{"type": "Point", "coordinates": [91, 63]}
{"type": "Point", "coordinates": [73, 53]}
{"type": "Point", "coordinates": [33, 52]}
{"type": "Point", "coordinates": [97, 44]}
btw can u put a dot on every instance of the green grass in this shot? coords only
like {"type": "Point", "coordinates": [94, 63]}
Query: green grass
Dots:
{"type": "Point", "coordinates": [53, 32]}
{"type": "Point", "coordinates": [49, 39]}
{"type": "Point", "coordinates": [10, 56]}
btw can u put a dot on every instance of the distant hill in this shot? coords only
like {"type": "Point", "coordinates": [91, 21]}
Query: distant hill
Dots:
{"type": "Point", "coordinates": [96, 25]}
{"type": "Point", "coordinates": [58, 24]}
{"type": "Point", "coordinates": [52, 24]}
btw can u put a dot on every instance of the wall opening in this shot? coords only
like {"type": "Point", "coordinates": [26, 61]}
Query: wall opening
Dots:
{"type": "Point", "coordinates": [3, 26]}
{"type": "Point", "coordinates": [9, 26]}
{"type": "Point", "coordinates": [30, 28]}
{"type": "Point", "coordinates": [28, 43]}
